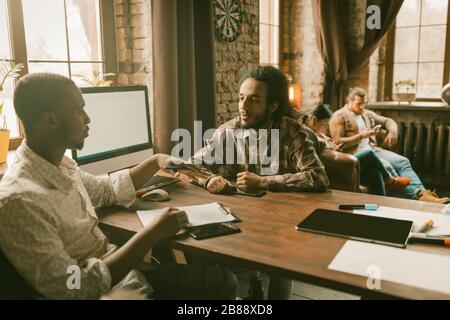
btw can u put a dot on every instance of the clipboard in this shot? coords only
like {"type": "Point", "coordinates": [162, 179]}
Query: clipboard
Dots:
{"type": "Point", "coordinates": [227, 211]}
{"type": "Point", "coordinates": [214, 230]}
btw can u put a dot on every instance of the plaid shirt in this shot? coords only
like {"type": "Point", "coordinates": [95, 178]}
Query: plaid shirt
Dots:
{"type": "Point", "coordinates": [298, 166]}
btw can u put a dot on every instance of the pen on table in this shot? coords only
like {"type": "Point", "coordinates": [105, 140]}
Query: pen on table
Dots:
{"type": "Point", "coordinates": [425, 227]}
{"type": "Point", "coordinates": [423, 238]}
{"type": "Point", "coordinates": [367, 206]}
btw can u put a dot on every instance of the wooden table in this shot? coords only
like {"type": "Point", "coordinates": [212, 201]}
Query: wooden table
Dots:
{"type": "Point", "coordinates": [269, 241]}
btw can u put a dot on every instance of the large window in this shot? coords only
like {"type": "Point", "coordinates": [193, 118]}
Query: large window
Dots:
{"type": "Point", "coordinates": [69, 43]}
{"type": "Point", "coordinates": [8, 87]}
{"type": "Point", "coordinates": [59, 36]}
{"type": "Point", "coordinates": [269, 31]}
{"type": "Point", "coordinates": [421, 48]}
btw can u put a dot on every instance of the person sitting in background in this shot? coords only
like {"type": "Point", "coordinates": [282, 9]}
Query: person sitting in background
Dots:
{"type": "Point", "coordinates": [354, 126]}
{"type": "Point", "coordinates": [373, 172]}
{"type": "Point", "coordinates": [48, 226]}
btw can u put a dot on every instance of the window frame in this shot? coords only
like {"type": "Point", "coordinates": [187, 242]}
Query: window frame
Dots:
{"type": "Point", "coordinates": [280, 27]}
{"type": "Point", "coordinates": [19, 50]}
{"type": "Point", "coordinates": [390, 52]}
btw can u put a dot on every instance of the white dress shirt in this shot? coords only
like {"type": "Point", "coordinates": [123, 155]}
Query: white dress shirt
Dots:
{"type": "Point", "coordinates": [48, 225]}
{"type": "Point", "coordinates": [364, 144]}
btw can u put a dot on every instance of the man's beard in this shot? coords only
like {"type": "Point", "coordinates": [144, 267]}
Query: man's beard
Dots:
{"type": "Point", "coordinates": [260, 121]}
{"type": "Point", "coordinates": [79, 146]}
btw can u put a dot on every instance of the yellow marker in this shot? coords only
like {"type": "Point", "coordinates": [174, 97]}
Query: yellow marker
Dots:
{"type": "Point", "coordinates": [426, 226]}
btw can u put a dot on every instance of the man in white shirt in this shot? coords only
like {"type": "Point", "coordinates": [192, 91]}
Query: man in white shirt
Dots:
{"type": "Point", "coordinates": [48, 225]}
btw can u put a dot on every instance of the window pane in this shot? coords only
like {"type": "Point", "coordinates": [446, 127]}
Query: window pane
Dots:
{"type": "Point", "coordinates": [82, 23]}
{"type": "Point", "coordinates": [264, 44]}
{"type": "Point", "coordinates": [405, 71]}
{"type": "Point", "coordinates": [6, 96]}
{"type": "Point", "coordinates": [59, 68]}
{"type": "Point", "coordinates": [5, 43]}
{"type": "Point", "coordinates": [45, 29]}
{"type": "Point", "coordinates": [406, 44]}
{"type": "Point", "coordinates": [87, 70]}
{"type": "Point", "coordinates": [430, 80]}
{"type": "Point", "coordinates": [274, 45]}
{"type": "Point", "coordinates": [264, 11]}
{"type": "Point", "coordinates": [434, 12]}
{"type": "Point", "coordinates": [432, 43]}
{"type": "Point", "coordinates": [274, 12]}
{"type": "Point", "coordinates": [409, 14]}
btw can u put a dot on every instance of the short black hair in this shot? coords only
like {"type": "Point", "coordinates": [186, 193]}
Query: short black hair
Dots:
{"type": "Point", "coordinates": [321, 111]}
{"type": "Point", "coordinates": [38, 93]}
{"type": "Point", "coordinates": [277, 88]}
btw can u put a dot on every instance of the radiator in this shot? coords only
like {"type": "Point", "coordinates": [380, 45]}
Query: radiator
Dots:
{"type": "Point", "coordinates": [427, 146]}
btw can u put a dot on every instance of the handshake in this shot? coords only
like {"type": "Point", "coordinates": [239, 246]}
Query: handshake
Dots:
{"type": "Point", "coordinates": [247, 183]}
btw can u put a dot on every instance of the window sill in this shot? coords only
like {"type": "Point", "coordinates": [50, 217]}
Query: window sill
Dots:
{"type": "Point", "coordinates": [403, 106]}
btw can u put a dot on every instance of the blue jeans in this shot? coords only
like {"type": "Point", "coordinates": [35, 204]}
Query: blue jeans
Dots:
{"type": "Point", "coordinates": [403, 167]}
{"type": "Point", "coordinates": [373, 172]}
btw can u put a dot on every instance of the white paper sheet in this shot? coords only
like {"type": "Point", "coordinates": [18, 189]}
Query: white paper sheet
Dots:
{"type": "Point", "coordinates": [446, 210]}
{"type": "Point", "coordinates": [412, 268]}
{"type": "Point", "coordinates": [441, 226]}
{"type": "Point", "coordinates": [197, 215]}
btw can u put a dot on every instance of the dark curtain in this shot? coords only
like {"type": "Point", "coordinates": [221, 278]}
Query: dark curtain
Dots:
{"type": "Point", "coordinates": [183, 63]}
{"type": "Point", "coordinates": [329, 22]}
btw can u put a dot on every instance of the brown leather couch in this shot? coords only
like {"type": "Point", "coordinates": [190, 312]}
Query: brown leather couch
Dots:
{"type": "Point", "coordinates": [343, 170]}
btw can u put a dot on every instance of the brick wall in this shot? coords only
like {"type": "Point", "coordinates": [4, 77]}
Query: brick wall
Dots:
{"type": "Point", "coordinates": [233, 59]}
{"type": "Point", "coordinates": [134, 47]}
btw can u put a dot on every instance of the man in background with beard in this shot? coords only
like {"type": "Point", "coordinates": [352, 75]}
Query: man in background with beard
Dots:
{"type": "Point", "coordinates": [263, 104]}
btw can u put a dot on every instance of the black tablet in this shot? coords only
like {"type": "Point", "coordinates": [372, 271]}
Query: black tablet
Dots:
{"type": "Point", "coordinates": [358, 227]}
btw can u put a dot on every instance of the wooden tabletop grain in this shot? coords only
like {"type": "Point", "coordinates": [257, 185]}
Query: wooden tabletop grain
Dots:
{"type": "Point", "coordinates": [269, 241]}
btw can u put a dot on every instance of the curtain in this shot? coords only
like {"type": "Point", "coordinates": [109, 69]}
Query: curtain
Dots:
{"type": "Point", "coordinates": [183, 68]}
{"type": "Point", "coordinates": [329, 22]}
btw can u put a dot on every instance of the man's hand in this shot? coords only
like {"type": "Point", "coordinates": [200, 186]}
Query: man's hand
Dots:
{"type": "Point", "coordinates": [250, 181]}
{"type": "Point", "coordinates": [164, 160]}
{"type": "Point", "coordinates": [169, 223]}
{"type": "Point", "coordinates": [391, 140]}
{"type": "Point", "coordinates": [367, 133]}
{"type": "Point", "coordinates": [219, 184]}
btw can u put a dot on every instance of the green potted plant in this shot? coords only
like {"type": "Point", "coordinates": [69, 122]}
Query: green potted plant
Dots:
{"type": "Point", "coordinates": [404, 91]}
{"type": "Point", "coordinates": [8, 70]}
{"type": "Point", "coordinates": [97, 80]}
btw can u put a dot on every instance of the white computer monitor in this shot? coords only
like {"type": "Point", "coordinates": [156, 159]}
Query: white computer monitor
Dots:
{"type": "Point", "coordinates": [119, 131]}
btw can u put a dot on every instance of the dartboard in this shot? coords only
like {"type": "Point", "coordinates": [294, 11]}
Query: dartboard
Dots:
{"type": "Point", "coordinates": [229, 16]}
